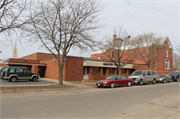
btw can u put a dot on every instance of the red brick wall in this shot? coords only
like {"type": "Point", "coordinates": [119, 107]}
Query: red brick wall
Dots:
{"type": "Point", "coordinates": [38, 56]}
{"type": "Point", "coordinates": [52, 69]}
{"type": "Point", "coordinates": [73, 69]}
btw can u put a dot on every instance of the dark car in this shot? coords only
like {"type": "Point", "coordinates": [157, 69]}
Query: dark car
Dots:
{"type": "Point", "coordinates": [18, 73]}
{"type": "Point", "coordinates": [175, 76]}
{"type": "Point", "coordinates": [115, 80]}
{"type": "Point", "coordinates": [165, 78]}
{"type": "Point", "coordinates": [1, 69]}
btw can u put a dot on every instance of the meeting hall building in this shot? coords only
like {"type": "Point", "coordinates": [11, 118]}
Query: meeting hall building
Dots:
{"type": "Point", "coordinates": [93, 68]}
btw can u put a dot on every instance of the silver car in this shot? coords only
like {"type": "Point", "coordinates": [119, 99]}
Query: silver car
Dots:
{"type": "Point", "coordinates": [145, 76]}
{"type": "Point", "coordinates": [165, 78]}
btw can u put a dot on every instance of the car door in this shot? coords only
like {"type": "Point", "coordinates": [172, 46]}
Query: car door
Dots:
{"type": "Point", "coordinates": [124, 80]}
{"type": "Point", "coordinates": [149, 76]}
{"type": "Point", "coordinates": [20, 73]}
{"type": "Point", "coordinates": [27, 74]}
{"type": "Point", "coordinates": [118, 81]}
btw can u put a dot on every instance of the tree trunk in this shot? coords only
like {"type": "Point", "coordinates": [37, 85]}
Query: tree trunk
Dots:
{"type": "Point", "coordinates": [60, 67]}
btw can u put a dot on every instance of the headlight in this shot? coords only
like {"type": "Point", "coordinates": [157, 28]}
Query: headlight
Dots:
{"type": "Point", "coordinates": [104, 82]}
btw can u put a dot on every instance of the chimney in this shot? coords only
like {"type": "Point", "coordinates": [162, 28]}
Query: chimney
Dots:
{"type": "Point", "coordinates": [114, 40]}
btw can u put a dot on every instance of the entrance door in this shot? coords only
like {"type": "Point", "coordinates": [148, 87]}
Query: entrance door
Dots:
{"type": "Point", "coordinates": [42, 70]}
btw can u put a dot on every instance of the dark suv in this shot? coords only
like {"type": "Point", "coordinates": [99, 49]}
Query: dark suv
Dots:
{"type": "Point", "coordinates": [17, 73]}
{"type": "Point", "coordinates": [175, 76]}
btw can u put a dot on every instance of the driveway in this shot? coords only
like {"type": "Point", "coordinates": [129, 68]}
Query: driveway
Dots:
{"type": "Point", "coordinates": [5, 83]}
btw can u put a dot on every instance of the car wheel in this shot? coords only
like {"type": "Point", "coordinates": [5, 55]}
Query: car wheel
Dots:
{"type": "Point", "coordinates": [154, 82]}
{"type": "Point", "coordinates": [13, 79]}
{"type": "Point", "coordinates": [35, 79]}
{"type": "Point", "coordinates": [170, 81]}
{"type": "Point", "coordinates": [112, 85]}
{"type": "Point", "coordinates": [164, 81]}
{"type": "Point", "coordinates": [129, 84]}
{"type": "Point", "coordinates": [141, 82]}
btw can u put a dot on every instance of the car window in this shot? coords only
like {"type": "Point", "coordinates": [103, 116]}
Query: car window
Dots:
{"type": "Point", "coordinates": [156, 72]}
{"type": "Point", "coordinates": [118, 77]}
{"type": "Point", "coordinates": [148, 73]}
{"type": "Point", "coordinates": [19, 70]}
{"type": "Point", "coordinates": [110, 78]}
{"type": "Point", "coordinates": [26, 71]}
{"type": "Point", "coordinates": [12, 71]}
{"type": "Point", "coordinates": [136, 73]}
{"type": "Point", "coordinates": [153, 72]}
{"type": "Point", "coordinates": [123, 77]}
{"type": "Point", "coordinates": [144, 73]}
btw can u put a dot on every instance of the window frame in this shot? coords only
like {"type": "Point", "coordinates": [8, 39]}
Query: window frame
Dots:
{"type": "Point", "coordinates": [155, 65]}
{"type": "Point", "coordinates": [167, 62]}
{"type": "Point", "coordinates": [166, 53]}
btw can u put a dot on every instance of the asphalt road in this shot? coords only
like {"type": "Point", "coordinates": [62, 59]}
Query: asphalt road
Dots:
{"type": "Point", "coordinates": [158, 101]}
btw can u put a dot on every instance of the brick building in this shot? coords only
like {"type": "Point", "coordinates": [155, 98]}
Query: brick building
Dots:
{"type": "Point", "coordinates": [83, 68]}
{"type": "Point", "coordinates": [75, 68]}
{"type": "Point", "coordinates": [163, 65]}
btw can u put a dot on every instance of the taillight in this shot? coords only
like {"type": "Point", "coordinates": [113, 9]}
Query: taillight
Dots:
{"type": "Point", "coordinates": [6, 74]}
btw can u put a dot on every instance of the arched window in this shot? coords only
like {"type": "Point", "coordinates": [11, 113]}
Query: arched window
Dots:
{"type": "Point", "coordinates": [167, 64]}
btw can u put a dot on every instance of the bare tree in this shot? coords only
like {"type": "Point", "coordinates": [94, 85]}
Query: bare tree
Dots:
{"type": "Point", "coordinates": [60, 25]}
{"type": "Point", "coordinates": [121, 50]}
{"type": "Point", "coordinates": [176, 62]}
{"type": "Point", "coordinates": [151, 49]}
{"type": "Point", "coordinates": [11, 16]}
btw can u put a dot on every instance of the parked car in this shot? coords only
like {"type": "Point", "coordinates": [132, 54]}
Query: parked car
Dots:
{"type": "Point", "coordinates": [175, 76]}
{"type": "Point", "coordinates": [1, 69]}
{"type": "Point", "coordinates": [144, 76]}
{"type": "Point", "coordinates": [115, 80]}
{"type": "Point", "coordinates": [163, 78]}
{"type": "Point", "coordinates": [17, 73]}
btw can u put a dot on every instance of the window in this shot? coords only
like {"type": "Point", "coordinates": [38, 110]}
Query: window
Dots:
{"type": "Point", "coordinates": [123, 77]}
{"type": "Point", "coordinates": [26, 71]}
{"type": "Point", "coordinates": [154, 52]}
{"type": "Point", "coordinates": [12, 71]}
{"type": "Point", "coordinates": [155, 65]}
{"type": "Point", "coordinates": [166, 53]}
{"type": "Point", "coordinates": [148, 73]}
{"type": "Point", "coordinates": [153, 72]}
{"type": "Point", "coordinates": [144, 73]}
{"type": "Point", "coordinates": [167, 64]}
{"type": "Point", "coordinates": [19, 70]}
{"type": "Point", "coordinates": [118, 78]}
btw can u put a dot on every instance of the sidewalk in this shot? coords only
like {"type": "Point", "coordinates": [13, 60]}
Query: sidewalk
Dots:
{"type": "Point", "coordinates": [79, 85]}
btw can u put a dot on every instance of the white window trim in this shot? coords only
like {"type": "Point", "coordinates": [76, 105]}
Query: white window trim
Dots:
{"type": "Point", "coordinates": [166, 53]}
{"type": "Point", "coordinates": [168, 64]}
{"type": "Point", "coordinates": [155, 65]}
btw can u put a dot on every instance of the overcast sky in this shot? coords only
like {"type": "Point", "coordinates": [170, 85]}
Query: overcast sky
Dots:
{"type": "Point", "coordinates": [136, 16]}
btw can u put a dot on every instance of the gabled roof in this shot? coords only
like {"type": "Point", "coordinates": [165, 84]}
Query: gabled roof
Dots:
{"type": "Point", "coordinates": [103, 48]}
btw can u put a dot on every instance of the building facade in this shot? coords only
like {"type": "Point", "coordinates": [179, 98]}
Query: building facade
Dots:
{"type": "Point", "coordinates": [95, 68]}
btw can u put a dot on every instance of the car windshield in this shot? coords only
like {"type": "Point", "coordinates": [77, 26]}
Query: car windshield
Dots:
{"type": "Point", "coordinates": [110, 78]}
{"type": "Point", "coordinates": [136, 73]}
{"type": "Point", "coordinates": [174, 73]}
{"type": "Point", "coordinates": [162, 75]}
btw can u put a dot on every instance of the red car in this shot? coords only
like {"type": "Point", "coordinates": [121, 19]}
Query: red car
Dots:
{"type": "Point", "coordinates": [115, 80]}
